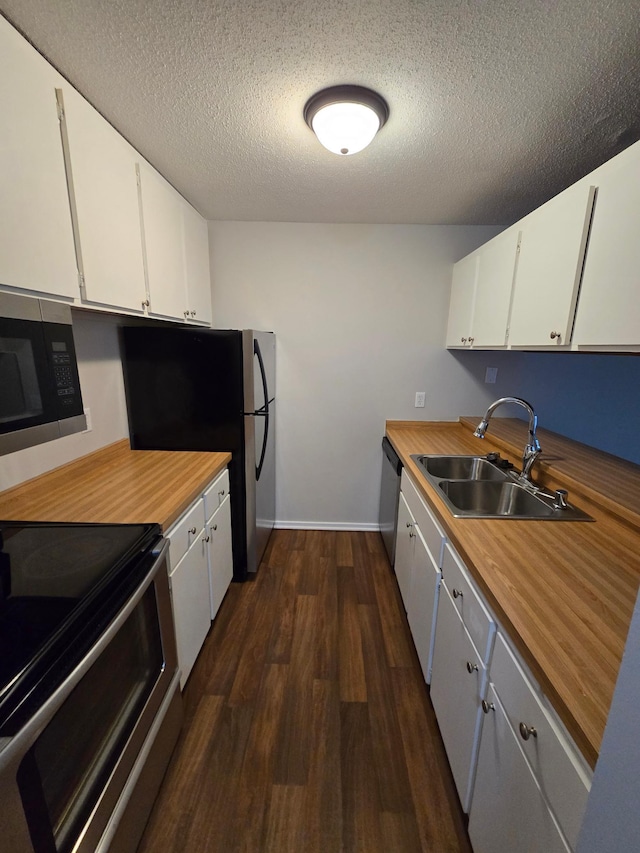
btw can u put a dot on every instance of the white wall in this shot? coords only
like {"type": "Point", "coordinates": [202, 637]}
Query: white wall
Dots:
{"type": "Point", "coordinates": [101, 382]}
{"type": "Point", "coordinates": [360, 314]}
{"type": "Point", "coordinates": [612, 819]}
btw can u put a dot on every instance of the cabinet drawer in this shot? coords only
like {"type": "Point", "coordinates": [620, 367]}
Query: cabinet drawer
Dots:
{"type": "Point", "coordinates": [183, 533]}
{"type": "Point", "coordinates": [561, 772]}
{"type": "Point", "coordinates": [425, 520]}
{"type": "Point", "coordinates": [216, 493]}
{"type": "Point", "coordinates": [474, 614]}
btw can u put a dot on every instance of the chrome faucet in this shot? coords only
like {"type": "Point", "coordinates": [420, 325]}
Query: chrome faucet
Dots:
{"type": "Point", "coordinates": [532, 449]}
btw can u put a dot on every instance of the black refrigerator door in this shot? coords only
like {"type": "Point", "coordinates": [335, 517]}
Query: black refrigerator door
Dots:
{"type": "Point", "coordinates": [184, 388]}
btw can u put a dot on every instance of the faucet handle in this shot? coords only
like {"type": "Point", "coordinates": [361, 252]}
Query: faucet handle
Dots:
{"type": "Point", "coordinates": [560, 501]}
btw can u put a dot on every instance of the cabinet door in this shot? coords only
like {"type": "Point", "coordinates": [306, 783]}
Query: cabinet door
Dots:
{"type": "Point", "coordinates": [162, 227]}
{"type": "Point", "coordinates": [196, 252]}
{"type": "Point", "coordinates": [463, 292]}
{"type": "Point", "coordinates": [404, 549]}
{"type": "Point", "coordinates": [220, 554]}
{"type": "Point", "coordinates": [456, 684]}
{"type": "Point", "coordinates": [36, 237]}
{"type": "Point", "coordinates": [608, 311]}
{"type": "Point", "coordinates": [189, 583]}
{"type": "Point", "coordinates": [496, 270]}
{"type": "Point", "coordinates": [423, 602]}
{"type": "Point", "coordinates": [105, 192]}
{"type": "Point", "coordinates": [508, 810]}
{"type": "Point", "coordinates": [549, 269]}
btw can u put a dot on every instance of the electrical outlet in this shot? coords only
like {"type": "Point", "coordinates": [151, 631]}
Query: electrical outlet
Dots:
{"type": "Point", "coordinates": [490, 375]}
{"type": "Point", "coordinates": [420, 397]}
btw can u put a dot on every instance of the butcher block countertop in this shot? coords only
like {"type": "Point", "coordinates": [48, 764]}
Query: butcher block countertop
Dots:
{"type": "Point", "coordinates": [115, 484]}
{"type": "Point", "coordinates": [564, 591]}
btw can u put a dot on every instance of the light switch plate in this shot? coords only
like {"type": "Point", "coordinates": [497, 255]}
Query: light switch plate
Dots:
{"type": "Point", "coordinates": [491, 374]}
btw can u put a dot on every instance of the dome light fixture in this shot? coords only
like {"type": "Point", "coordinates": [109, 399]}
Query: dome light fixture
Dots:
{"type": "Point", "coordinates": [346, 118]}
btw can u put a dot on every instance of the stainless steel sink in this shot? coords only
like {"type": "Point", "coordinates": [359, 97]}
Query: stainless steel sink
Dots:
{"type": "Point", "coordinates": [475, 487]}
{"type": "Point", "coordinates": [461, 468]}
{"type": "Point", "coordinates": [486, 499]}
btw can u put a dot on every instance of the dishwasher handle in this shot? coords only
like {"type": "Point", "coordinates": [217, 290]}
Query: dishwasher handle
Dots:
{"type": "Point", "coordinates": [392, 456]}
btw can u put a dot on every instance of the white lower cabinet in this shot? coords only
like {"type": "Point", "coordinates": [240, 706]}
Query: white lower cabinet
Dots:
{"type": "Point", "coordinates": [417, 566]}
{"type": "Point", "coordinates": [508, 812]}
{"type": "Point", "coordinates": [201, 568]}
{"type": "Point", "coordinates": [220, 555]}
{"type": "Point", "coordinates": [457, 684]}
{"type": "Point", "coordinates": [189, 584]}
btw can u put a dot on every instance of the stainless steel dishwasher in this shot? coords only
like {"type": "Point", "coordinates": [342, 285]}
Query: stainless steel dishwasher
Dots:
{"type": "Point", "coordinates": [389, 497]}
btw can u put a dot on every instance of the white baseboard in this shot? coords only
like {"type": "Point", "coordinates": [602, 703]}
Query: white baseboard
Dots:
{"type": "Point", "coordinates": [326, 525]}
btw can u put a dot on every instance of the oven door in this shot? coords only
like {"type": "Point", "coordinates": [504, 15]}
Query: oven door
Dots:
{"type": "Point", "coordinates": [64, 775]}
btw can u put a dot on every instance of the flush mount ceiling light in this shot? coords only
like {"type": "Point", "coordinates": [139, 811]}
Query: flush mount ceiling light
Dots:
{"type": "Point", "coordinates": [346, 118]}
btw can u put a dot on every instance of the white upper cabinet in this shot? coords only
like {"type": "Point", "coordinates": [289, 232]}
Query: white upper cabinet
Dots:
{"type": "Point", "coordinates": [496, 268]}
{"type": "Point", "coordinates": [36, 237]}
{"type": "Point", "coordinates": [104, 195]}
{"type": "Point", "coordinates": [608, 311]}
{"type": "Point", "coordinates": [196, 246]}
{"type": "Point", "coordinates": [552, 250]}
{"type": "Point", "coordinates": [163, 244]}
{"type": "Point", "coordinates": [176, 251]}
{"type": "Point", "coordinates": [463, 292]}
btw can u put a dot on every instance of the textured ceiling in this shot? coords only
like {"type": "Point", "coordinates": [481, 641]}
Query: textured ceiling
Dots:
{"type": "Point", "coordinates": [495, 106]}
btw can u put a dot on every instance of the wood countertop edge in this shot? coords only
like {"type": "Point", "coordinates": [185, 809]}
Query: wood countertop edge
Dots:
{"type": "Point", "coordinates": [186, 475]}
{"type": "Point", "coordinates": [586, 734]}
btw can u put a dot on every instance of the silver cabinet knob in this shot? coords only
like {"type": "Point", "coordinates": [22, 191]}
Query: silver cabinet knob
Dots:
{"type": "Point", "coordinates": [214, 527]}
{"type": "Point", "coordinates": [145, 303]}
{"type": "Point", "coordinates": [471, 667]}
{"type": "Point", "coordinates": [409, 524]}
{"type": "Point", "coordinates": [555, 335]}
{"type": "Point", "coordinates": [463, 340]}
{"type": "Point", "coordinates": [527, 731]}
{"type": "Point", "coordinates": [205, 538]}
{"type": "Point", "coordinates": [471, 340]}
{"type": "Point", "coordinates": [487, 706]}
{"type": "Point", "coordinates": [193, 313]}
{"type": "Point", "coordinates": [186, 314]}
{"type": "Point", "coordinates": [457, 593]}
{"type": "Point", "coordinates": [192, 530]}
{"type": "Point", "coordinates": [221, 494]}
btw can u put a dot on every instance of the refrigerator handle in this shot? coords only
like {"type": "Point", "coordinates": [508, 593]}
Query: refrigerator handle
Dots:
{"type": "Point", "coordinates": [263, 410]}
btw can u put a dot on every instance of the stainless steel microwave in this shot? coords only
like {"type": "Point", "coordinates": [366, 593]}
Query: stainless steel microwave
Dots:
{"type": "Point", "coordinates": [40, 395]}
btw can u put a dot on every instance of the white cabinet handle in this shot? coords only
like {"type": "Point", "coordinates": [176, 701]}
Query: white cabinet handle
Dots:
{"type": "Point", "coordinates": [527, 731]}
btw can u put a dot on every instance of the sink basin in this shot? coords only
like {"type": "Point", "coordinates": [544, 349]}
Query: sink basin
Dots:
{"type": "Point", "coordinates": [474, 487]}
{"type": "Point", "coordinates": [461, 468]}
{"type": "Point", "coordinates": [487, 499]}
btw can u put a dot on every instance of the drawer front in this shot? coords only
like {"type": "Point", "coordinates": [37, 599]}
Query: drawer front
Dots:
{"type": "Point", "coordinates": [560, 771]}
{"type": "Point", "coordinates": [184, 532]}
{"type": "Point", "coordinates": [431, 531]}
{"type": "Point", "coordinates": [477, 619]}
{"type": "Point", "coordinates": [216, 493]}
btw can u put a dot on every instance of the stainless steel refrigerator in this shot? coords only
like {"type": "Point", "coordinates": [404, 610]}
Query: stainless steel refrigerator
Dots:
{"type": "Point", "coordinates": [206, 389]}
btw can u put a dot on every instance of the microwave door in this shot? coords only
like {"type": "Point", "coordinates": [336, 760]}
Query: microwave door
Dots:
{"type": "Point", "coordinates": [22, 363]}
{"type": "Point", "coordinates": [13, 402]}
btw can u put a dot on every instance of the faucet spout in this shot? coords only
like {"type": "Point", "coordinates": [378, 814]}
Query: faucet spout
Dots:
{"type": "Point", "coordinates": [532, 448]}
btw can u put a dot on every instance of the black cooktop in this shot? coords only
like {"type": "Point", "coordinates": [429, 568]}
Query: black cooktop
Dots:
{"type": "Point", "coordinates": [53, 578]}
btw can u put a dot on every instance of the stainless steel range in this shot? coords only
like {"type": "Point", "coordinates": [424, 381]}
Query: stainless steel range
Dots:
{"type": "Point", "coordinates": [90, 706]}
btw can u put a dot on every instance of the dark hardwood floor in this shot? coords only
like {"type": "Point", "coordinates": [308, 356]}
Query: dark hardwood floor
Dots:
{"type": "Point", "coordinates": [308, 725]}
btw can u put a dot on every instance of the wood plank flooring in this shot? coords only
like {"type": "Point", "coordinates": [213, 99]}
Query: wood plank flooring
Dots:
{"type": "Point", "coordinates": [308, 725]}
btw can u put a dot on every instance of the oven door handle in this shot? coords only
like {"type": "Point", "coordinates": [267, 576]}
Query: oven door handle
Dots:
{"type": "Point", "coordinates": [18, 744]}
